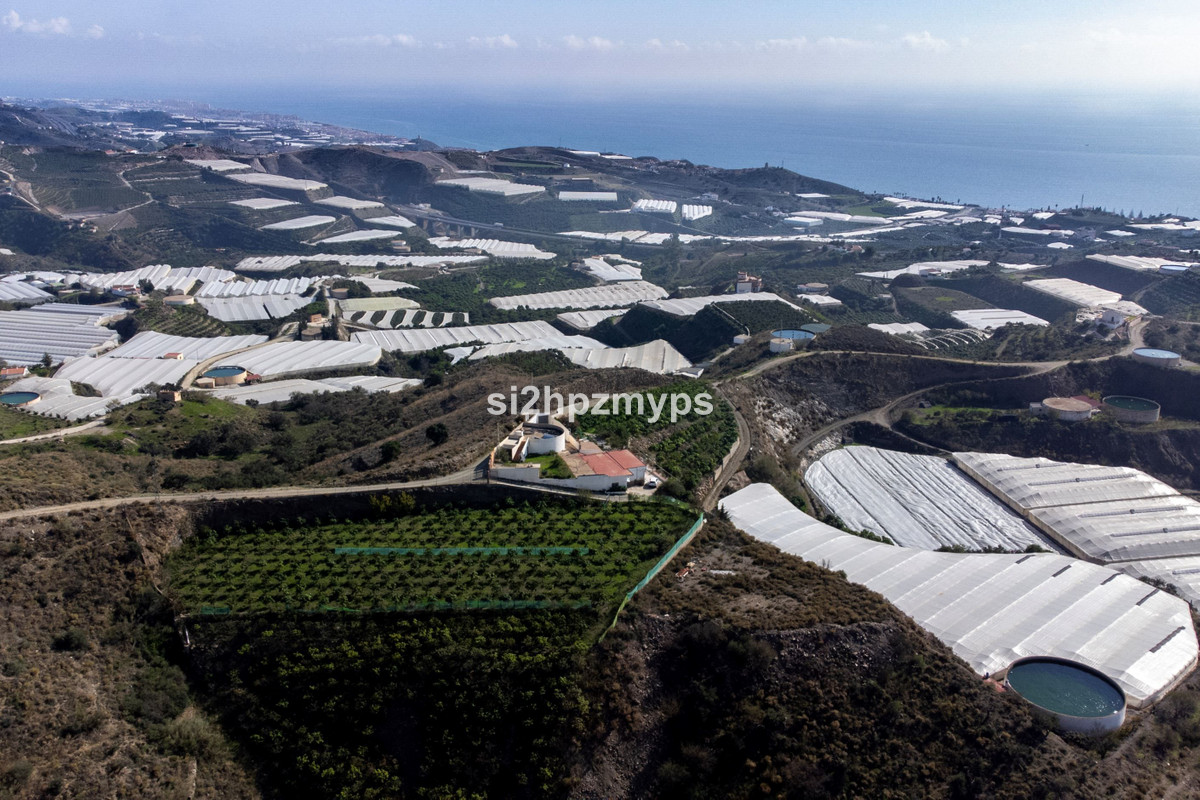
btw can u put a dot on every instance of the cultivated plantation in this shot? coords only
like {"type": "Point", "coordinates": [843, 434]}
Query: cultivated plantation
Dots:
{"type": "Point", "coordinates": [511, 556]}
{"type": "Point", "coordinates": [264, 533]}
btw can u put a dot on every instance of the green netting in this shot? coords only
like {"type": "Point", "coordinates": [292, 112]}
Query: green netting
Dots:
{"type": "Point", "coordinates": [657, 568]}
{"type": "Point", "coordinates": [215, 610]}
{"type": "Point", "coordinates": [459, 551]}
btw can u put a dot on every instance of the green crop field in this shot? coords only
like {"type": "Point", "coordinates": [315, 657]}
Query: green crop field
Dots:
{"type": "Point", "coordinates": [544, 556]}
{"type": "Point", "coordinates": [180, 321]}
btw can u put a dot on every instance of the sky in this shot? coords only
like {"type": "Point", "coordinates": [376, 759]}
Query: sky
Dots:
{"type": "Point", "coordinates": [131, 48]}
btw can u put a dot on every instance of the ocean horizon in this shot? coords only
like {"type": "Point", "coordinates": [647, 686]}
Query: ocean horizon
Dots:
{"type": "Point", "coordinates": [1131, 155]}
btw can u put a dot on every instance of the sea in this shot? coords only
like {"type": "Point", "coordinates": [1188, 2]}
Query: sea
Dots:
{"type": "Point", "coordinates": [1137, 154]}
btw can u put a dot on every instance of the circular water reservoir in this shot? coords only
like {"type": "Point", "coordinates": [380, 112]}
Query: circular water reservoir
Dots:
{"type": "Point", "coordinates": [793, 333]}
{"type": "Point", "coordinates": [18, 398]}
{"type": "Point", "coordinates": [223, 372]}
{"type": "Point", "coordinates": [1080, 698]}
{"type": "Point", "coordinates": [227, 375]}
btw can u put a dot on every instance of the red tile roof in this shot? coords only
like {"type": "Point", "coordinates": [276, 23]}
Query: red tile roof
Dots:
{"type": "Point", "coordinates": [626, 459]}
{"type": "Point", "coordinates": [605, 464]}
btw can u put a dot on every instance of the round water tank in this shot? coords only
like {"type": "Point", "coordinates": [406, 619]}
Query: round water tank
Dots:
{"type": "Point", "coordinates": [1067, 409]}
{"type": "Point", "coordinates": [1159, 358]}
{"type": "Point", "coordinates": [781, 345]}
{"type": "Point", "coordinates": [795, 334]}
{"type": "Point", "coordinates": [1125, 408]}
{"type": "Point", "coordinates": [228, 375]}
{"type": "Point", "coordinates": [19, 399]}
{"type": "Point", "coordinates": [1080, 699]}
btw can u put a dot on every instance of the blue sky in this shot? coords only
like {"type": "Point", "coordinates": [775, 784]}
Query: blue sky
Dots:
{"type": "Point", "coordinates": [137, 46]}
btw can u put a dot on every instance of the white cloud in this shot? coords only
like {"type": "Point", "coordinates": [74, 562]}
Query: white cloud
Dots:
{"type": "Point", "coordinates": [924, 41]}
{"type": "Point", "coordinates": [381, 40]}
{"type": "Point", "coordinates": [57, 25]}
{"type": "Point", "coordinates": [501, 42]}
{"type": "Point", "coordinates": [842, 43]}
{"type": "Point", "coordinates": [795, 43]}
{"type": "Point", "coordinates": [674, 44]}
{"type": "Point", "coordinates": [95, 32]}
{"type": "Point", "coordinates": [590, 43]}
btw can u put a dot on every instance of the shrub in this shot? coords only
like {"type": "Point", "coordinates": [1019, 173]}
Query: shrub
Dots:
{"type": "Point", "coordinates": [70, 640]}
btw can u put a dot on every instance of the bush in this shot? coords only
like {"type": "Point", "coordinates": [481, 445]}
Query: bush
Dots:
{"type": "Point", "coordinates": [188, 735]}
{"type": "Point", "coordinates": [70, 640]}
{"type": "Point", "coordinates": [437, 433]}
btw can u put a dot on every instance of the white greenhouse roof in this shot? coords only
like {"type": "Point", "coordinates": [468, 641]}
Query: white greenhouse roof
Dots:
{"type": "Point", "coordinates": [907, 203]}
{"type": "Point", "coordinates": [349, 203]}
{"type": "Point", "coordinates": [608, 296]}
{"type": "Point", "coordinates": [217, 164]}
{"type": "Point", "coordinates": [283, 359]}
{"type": "Point", "coordinates": [926, 268]}
{"type": "Point", "coordinates": [496, 248]}
{"type": "Point", "coordinates": [281, 391]}
{"type": "Point", "coordinates": [277, 181]}
{"type": "Point", "coordinates": [586, 320]}
{"type": "Point", "coordinates": [245, 288]}
{"type": "Point", "coordinates": [994, 609]}
{"type": "Point", "coordinates": [1027, 483]}
{"type": "Point", "coordinates": [152, 344]}
{"type": "Point", "coordinates": [836, 216]}
{"type": "Point", "coordinates": [656, 356]}
{"type": "Point", "coordinates": [375, 304]}
{"type": "Point", "coordinates": [1182, 573]}
{"type": "Point", "coordinates": [246, 309]}
{"type": "Point", "coordinates": [601, 269]}
{"type": "Point", "coordinates": [694, 212]}
{"type": "Point", "coordinates": [820, 300]}
{"type": "Point", "coordinates": [280, 263]}
{"type": "Point", "coordinates": [299, 223]}
{"type": "Point", "coordinates": [27, 335]}
{"type": "Point", "coordinates": [262, 203]}
{"type": "Point", "coordinates": [383, 285]}
{"type": "Point", "coordinates": [1073, 292]}
{"type": "Point", "coordinates": [1141, 263]}
{"type": "Point", "coordinates": [687, 306]}
{"type": "Point", "coordinates": [897, 328]}
{"type": "Point", "coordinates": [418, 340]}
{"type": "Point", "coordinates": [1125, 530]}
{"type": "Point", "coordinates": [560, 342]}
{"type": "Point", "coordinates": [60, 401]}
{"type": "Point", "coordinates": [367, 235]}
{"type": "Point", "coordinates": [395, 220]}
{"type": "Point", "coordinates": [16, 292]}
{"type": "Point", "coordinates": [986, 318]}
{"type": "Point", "coordinates": [916, 501]}
{"type": "Point", "coordinates": [493, 186]}
{"type": "Point", "coordinates": [410, 318]}
{"type": "Point", "coordinates": [656, 206]}
{"type": "Point", "coordinates": [593, 197]}
{"type": "Point", "coordinates": [122, 377]}
{"type": "Point", "coordinates": [163, 277]}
